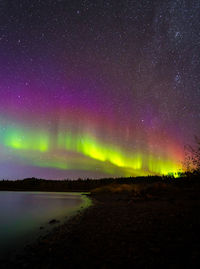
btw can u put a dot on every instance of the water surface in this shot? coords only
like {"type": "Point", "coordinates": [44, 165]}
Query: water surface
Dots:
{"type": "Point", "coordinates": [23, 213]}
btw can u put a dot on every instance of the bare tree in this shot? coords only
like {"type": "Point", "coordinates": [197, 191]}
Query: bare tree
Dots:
{"type": "Point", "coordinates": [192, 158]}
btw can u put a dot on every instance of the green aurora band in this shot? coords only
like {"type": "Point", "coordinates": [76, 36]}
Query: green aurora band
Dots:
{"type": "Point", "coordinates": [44, 149]}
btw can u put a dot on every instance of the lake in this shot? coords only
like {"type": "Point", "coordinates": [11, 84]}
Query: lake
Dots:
{"type": "Point", "coordinates": [25, 215]}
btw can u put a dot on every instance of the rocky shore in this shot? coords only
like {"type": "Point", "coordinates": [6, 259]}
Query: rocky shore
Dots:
{"type": "Point", "coordinates": [159, 229]}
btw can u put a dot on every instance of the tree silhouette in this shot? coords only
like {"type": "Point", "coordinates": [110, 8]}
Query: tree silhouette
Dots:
{"type": "Point", "coordinates": [192, 157]}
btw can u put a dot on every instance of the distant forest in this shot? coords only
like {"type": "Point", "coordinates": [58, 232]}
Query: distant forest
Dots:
{"type": "Point", "coordinates": [80, 185]}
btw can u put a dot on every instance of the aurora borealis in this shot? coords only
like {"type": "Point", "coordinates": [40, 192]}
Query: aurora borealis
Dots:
{"type": "Point", "coordinates": [97, 88]}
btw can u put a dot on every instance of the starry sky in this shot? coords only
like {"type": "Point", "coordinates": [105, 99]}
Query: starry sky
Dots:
{"type": "Point", "coordinates": [96, 88]}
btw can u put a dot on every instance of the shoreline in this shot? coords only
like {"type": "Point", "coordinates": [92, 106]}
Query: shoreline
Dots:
{"type": "Point", "coordinates": [119, 230]}
{"type": "Point", "coordinates": [44, 228]}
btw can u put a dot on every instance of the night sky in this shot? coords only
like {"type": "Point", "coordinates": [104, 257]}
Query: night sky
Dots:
{"type": "Point", "coordinates": [97, 88]}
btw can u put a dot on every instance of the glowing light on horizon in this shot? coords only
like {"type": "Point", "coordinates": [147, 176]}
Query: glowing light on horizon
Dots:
{"type": "Point", "coordinates": [79, 101]}
{"type": "Point", "coordinates": [26, 141]}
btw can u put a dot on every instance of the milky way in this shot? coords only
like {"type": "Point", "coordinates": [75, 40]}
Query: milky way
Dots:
{"type": "Point", "coordinates": [97, 88]}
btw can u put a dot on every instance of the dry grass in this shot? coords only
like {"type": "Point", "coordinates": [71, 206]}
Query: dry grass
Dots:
{"type": "Point", "coordinates": [139, 189]}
